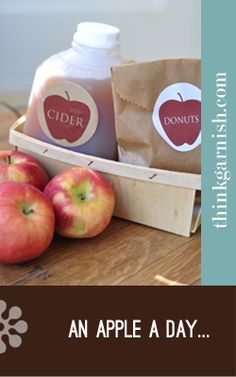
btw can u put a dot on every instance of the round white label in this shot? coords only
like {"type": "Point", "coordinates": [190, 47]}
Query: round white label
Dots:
{"type": "Point", "coordinates": [177, 116]}
{"type": "Point", "coordinates": [67, 113]}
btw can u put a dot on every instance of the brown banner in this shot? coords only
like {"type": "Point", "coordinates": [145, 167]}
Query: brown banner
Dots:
{"type": "Point", "coordinates": [117, 331]}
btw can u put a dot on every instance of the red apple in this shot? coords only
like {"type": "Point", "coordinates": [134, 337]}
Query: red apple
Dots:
{"type": "Point", "coordinates": [27, 222]}
{"type": "Point", "coordinates": [19, 167]}
{"type": "Point", "coordinates": [83, 202]}
{"type": "Point", "coordinates": [181, 120]}
{"type": "Point", "coordinates": [66, 119]}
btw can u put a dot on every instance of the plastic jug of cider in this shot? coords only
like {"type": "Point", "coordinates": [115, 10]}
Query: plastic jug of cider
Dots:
{"type": "Point", "coordinates": [71, 104]}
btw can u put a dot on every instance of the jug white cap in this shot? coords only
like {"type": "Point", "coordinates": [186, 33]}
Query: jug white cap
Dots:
{"type": "Point", "coordinates": [94, 34]}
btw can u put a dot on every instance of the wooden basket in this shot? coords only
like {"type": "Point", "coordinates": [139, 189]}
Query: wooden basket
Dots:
{"type": "Point", "coordinates": [158, 198]}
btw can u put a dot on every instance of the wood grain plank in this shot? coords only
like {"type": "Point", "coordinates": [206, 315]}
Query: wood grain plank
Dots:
{"type": "Point", "coordinates": [60, 249]}
{"type": "Point", "coordinates": [197, 282]}
{"type": "Point", "coordinates": [109, 261]}
{"type": "Point", "coordinates": [181, 265]}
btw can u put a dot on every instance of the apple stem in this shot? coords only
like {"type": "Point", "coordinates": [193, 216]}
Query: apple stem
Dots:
{"type": "Point", "coordinates": [9, 159]}
{"type": "Point", "coordinates": [28, 211]}
{"type": "Point", "coordinates": [67, 95]}
{"type": "Point", "coordinates": [180, 97]}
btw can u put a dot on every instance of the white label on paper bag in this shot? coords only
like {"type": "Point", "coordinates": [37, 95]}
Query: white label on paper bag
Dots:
{"type": "Point", "coordinates": [67, 113]}
{"type": "Point", "coordinates": [177, 116]}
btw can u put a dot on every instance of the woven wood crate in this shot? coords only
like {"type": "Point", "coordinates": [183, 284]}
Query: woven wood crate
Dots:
{"type": "Point", "coordinates": [158, 198]}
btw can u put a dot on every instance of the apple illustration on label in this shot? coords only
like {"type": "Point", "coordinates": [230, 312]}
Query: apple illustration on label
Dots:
{"type": "Point", "coordinates": [66, 119]}
{"type": "Point", "coordinates": [177, 116]}
{"type": "Point", "coordinates": [181, 120]}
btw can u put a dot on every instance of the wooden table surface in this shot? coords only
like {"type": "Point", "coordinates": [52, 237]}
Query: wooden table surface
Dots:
{"type": "Point", "coordinates": [124, 254]}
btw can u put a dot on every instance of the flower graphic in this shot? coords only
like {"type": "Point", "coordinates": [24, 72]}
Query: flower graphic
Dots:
{"type": "Point", "coordinates": [10, 327]}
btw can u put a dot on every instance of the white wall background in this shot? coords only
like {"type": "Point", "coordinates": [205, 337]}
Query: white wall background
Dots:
{"type": "Point", "coordinates": [31, 30]}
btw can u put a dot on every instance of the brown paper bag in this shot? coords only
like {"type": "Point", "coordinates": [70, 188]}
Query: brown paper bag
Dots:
{"type": "Point", "coordinates": [158, 114]}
